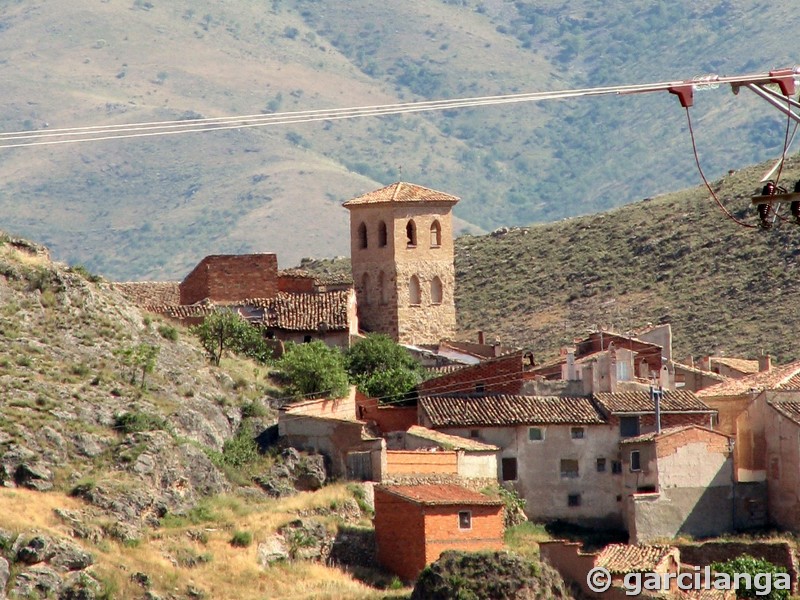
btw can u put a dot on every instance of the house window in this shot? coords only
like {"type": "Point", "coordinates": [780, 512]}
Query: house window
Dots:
{"type": "Point", "coordinates": [362, 235]}
{"type": "Point", "coordinates": [616, 467]}
{"type": "Point", "coordinates": [307, 339]}
{"type": "Point", "coordinates": [382, 235]}
{"type": "Point", "coordinates": [509, 467]}
{"type": "Point", "coordinates": [436, 291]}
{"type": "Point", "coordinates": [535, 434]}
{"type": "Point", "coordinates": [411, 234]}
{"type": "Point", "coordinates": [414, 295]}
{"type": "Point", "coordinates": [474, 433]}
{"type": "Point", "coordinates": [436, 234]}
{"type": "Point", "coordinates": [628, 426]}
{"type": "Point", "coordinates": [574, 500]}
{"type": "Point", "coordinates": [576, 433]}
{"type": "Point", "coordinates": [636, 461]}
{"type": "Point", "coordinates": [480, 387]}
{"type": "Point", "coordinates": [464, 519]}
{"type": "Point", "coordinates": [601, 465]}
{"type": "Point", "coordinates": [569, 468]}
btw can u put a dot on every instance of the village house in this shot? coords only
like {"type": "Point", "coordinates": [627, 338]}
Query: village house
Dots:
{"type": "Point", "coordinates": [414, 524]}
{"type": "Point", "coordinates": [677, 481]}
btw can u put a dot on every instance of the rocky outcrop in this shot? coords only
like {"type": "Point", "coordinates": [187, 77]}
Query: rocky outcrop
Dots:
{"type": "Point", "coordinates": [293, 472]}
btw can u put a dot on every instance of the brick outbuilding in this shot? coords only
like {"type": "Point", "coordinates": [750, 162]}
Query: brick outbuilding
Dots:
{"type": "Point", "coordinates": [414, 524]}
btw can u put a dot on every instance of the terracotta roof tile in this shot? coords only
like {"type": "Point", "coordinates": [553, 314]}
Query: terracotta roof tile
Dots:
{"type": "Point", "coordinates": [788, 408]}
{"type": "Point", "coordinates": [402, 192]}
{"type": "Point", "coordinates": [305, 312]}
{"type": "Point", "coordinates": [691, 369]}
{"type": "Point", "coordinates": [785, 377]}
{"type": "Point", "coordinates": [450, 442]}
{"type": "Point", "coordinates": [743, 365]}
{"type": "Point", "coordinates": [506, 409]}
{"type": "Point", "coordinates": [150, 293]}
{"type": "Point", "coordinates": [440, 494]}
{"type": "Point", "coordinates": [625, 558]}
{"type": "Point", "coordinates": [640, 402]}
{"type": "Point", "coordinates": [653, 435]}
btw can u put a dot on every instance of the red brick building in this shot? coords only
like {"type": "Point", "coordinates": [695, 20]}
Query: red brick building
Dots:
{"type": "Point", "coordinates": [231, 277]}
{"type": "Point", "coordinates": [503, 375]}
{"type": "Point", "coordinates": [414, 524]}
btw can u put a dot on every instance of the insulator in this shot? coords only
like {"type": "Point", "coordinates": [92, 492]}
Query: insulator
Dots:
{"type": "Point", "coordinates": [763, 215]}
{"type": "Point", "coordinates": [768, 190]}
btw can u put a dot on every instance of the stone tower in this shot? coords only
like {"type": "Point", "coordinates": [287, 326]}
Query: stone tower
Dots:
{"type": "Point", "coordinates": [401, 248]}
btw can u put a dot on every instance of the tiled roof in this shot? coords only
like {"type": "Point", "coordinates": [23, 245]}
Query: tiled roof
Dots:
{"type": "Point", "coordinates": [304, 312]}
{"type": "Point", "coordinates": [507, 409]}
{"type": "Point", "coordinates": [440, 494]}
{"type": "Point", "coordinates": [319, 278]}
{"type": "Point", "coordinates": [402, 192]}
{"type": "Point", "coordinates": [443, 369]}
{"type": "Point", "coordinates": [150, 293]}
{"type": "Point", "coordinates": [743, 365]}
{"type": "Point", "coordinates": [184, 311]}
{"type": "Point", "coordinates": [691, 369]}
{"type": "Point", "coordinates": [785, 377]}
{"type": "Point", "coordinates": [625, 558]}
{"type": "Point", "coordinates": [450, 442]}
{"type": "Point", "coordinates": [653, 435]}
{"type": "Point", "coordinates": [640, 402]}
{"type": "Point", "coordinates": [788, 408]}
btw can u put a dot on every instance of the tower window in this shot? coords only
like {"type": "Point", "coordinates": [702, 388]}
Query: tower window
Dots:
{"type": "Point", "coordinates": [436, 291]}
{"type": "Point", "coordinates": [382, 235]}
{"type": "Point", "coordinates": [362, 235]}
{"type": "Point", "coordinates": [365, 288]}
{"type": "Point", "coordinates": [411, 234]}
{"type": "Point", "coordinates": [436, 234]}
{"type": "Point", "coordinates": [414, 295]}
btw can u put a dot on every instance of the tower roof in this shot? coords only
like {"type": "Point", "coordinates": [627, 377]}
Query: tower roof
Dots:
{"type": "Point", "coordinates": [401, 192]}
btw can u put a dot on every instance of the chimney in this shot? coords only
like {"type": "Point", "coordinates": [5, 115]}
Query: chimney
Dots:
{"type": "Point", "coordinates": [689, 361]}
{"type": "Point", "coordinates": [481, 338]}
{"type": "Point", "coordinates": [655, 396]}
{"type": "Point", "coordinates": [571, 364]}
{"type": "Point", "coordinates": [764, 363]}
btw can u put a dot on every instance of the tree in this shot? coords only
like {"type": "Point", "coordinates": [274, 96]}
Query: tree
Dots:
{"type": "Point", "coordinates": [763, 575]}
{"type": "Point", "coordinates": [383, 369]}
{"type": "Point", "coordinates": [227, 330]}
{"type": "Point", "coordinates": [314, 369]}
{"type": "Point", "coordinates": [141, 357]}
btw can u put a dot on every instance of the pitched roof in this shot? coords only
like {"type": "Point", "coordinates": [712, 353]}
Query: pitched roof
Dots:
{"type": "Point", "coordinates": [150, 293]}
{"type": "Point", "coordinates": [440, 494]}
{"type": "Point", "coordinates": [305, 312]}
{"type": "Point", "coordinates": [743, 365]}
{"type": "Point", "coordinates": [625, 558]}
{"type": "Point", "coordinates": [639, 402]}
{"type": "Point", "coordinates": [789, 408]}
{"type": "Point", "coordinates": [655, 435]}
{"type": "Point", "coordinates": [402, 192]}
{"type": "Point", "coordinates": [704, 373]}
{"type": "Point", "coordinates": [786, 377]}
{"type": "Point", "coordinates": [450, 442]}
{"type": "Point", "coordinates": [460, 410]}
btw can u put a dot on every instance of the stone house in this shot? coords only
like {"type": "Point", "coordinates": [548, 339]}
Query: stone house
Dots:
{"type": "Point", "coordinates": [401, 240]}
{"type": "Point", "coordinates": [734, 368]}
{"type": "Point", "coordinates": [561, 454]}
{"type": "Point", "coordinates": [677, 481]}
{"type": "Point", "coordinates": [414, 524]}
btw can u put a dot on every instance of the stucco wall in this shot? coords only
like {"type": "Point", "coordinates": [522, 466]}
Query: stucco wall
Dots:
{"type": "Point", "coordinates": [783, 466]}
{"type": "Point", "coordinates": [477, 464]}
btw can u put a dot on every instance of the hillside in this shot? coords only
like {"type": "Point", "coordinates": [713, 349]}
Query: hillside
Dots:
{"type": "Point", "coordinates": [151, 208]}
{"type": "Point", "coordinates": [131, 477]}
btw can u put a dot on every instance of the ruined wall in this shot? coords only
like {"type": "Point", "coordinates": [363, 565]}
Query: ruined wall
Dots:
{"type": "Point", "coordinates": [499, 375]}
{"type": "Point", "coordinates": [231, 278]}
{"type": "Point", "coordinates": [570, 561]}
{"type": "Point", "coordinates": [387, 418]}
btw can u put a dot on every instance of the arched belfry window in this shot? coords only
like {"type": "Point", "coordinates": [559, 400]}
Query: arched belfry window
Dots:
{"type": "Point", "coordinates": [414, 295]}
{"type": "Point", "coordinates": [362, 235]}
{"type": "Point", "coordinates": [365, 288]}
{"type": "Point", "coordinates": [382, 288]}
{"type": "Point", "coordinates": [382, 235]}
{"type": "Point", "coordinates": [436, 234]}
{"type": "Point", "coordinates": [411, 233]}
{"type": "Point", "coordinates": [436, 291]}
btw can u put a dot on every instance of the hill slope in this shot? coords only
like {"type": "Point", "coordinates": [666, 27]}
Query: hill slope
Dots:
{"type": "Point", "coordinates": [153, 207]}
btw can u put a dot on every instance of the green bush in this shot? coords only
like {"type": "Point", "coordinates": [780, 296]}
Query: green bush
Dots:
{"type": "Point", "coordinates": [383, 369]}
{"type": "Point", "coordinates": [168, 332]}
{"type": "Point", "coordinates": [757, 569]}
{"type": "Point", "coordinates": [134, 422]}
{"type": "Point", "coordinates": [314, 369]}
{"type": "Point", "coordinates": [241, 539]}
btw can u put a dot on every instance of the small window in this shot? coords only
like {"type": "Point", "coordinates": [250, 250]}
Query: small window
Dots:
{"type": "Point", "coordinates": [414, 295]}
{"type": "Point", "coordinates": [362, 235]}
{"type": "Point", "coordinates": [474, 433]}
{"type": "Point", "coordinates": [574, 500]}
{"type": "Point", "coordinates": [535, 434]}
{"type": "Point", "coordinates": [601, 465]}
{"type": "Point", "coordinates": [307, 339]}
{"type": "Point", "coordinates": [636, 461]}
{"type": "Point", "coordinates": [270, 335]}
{"type": "Point", "coordinates": [411, 234]}
{"type": "Point", "coordinates": [480, 387]}
{"type": "Point", "coordinates": [436, 234]}
{"type": "Point", "coordinates": [616, 467]}
{"type": "Point", "coordinates": [464, 519]}
{"type": "Point", "coordinates": [436, 291]}
{"type": "Point", "coordinates": [628, 426]}
{"type": "Point", "coordinates": [509, 466]}
{"type": "Point", "coordinates": [569, 468]}
{"type": "Point", "coordinates": [619, 498]}
{"type": "Point", "coordinates": [577, 433]}
{"type": "Point", "coordinates": [382, 235]}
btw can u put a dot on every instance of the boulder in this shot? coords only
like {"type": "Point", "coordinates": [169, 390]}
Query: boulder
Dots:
{"type": "Point", "coordinates": [70, 557]}
{"type": "Point", "coordinates": [34, 549]}
{"type": "Point", "coordinates": [36, 476]}
{"type": "Point", "coordinates": [272, 550]}
{"type": "Point", "coordinates": [80, 586]}
{"type": "Point", "coordinates": [36, 582]}
{"type": "Point", "coordinates": [4, 574]}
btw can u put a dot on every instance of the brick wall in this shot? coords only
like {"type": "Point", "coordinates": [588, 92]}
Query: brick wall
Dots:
{"type": "Point", "coordinates": [670, 444]}
{"type": "Point", "coordinates": [296, 284]}
{"type": "Point", "coordinates": [500, 375]}
{"type": "Point", "coordinates": [647, 423]}
{"type": "Point", "coordinates": [399, 535]}
{"type": "Point", "coordinates": [387, 418]}
{"type": "Point", "coordinates": [569, 560]}
{"type": "Point", "coordinates": [230, 278]}
{"type": "Point", "coordinates": [420, 462]}
{"type": "Point", "coordinates": [442, 530]}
